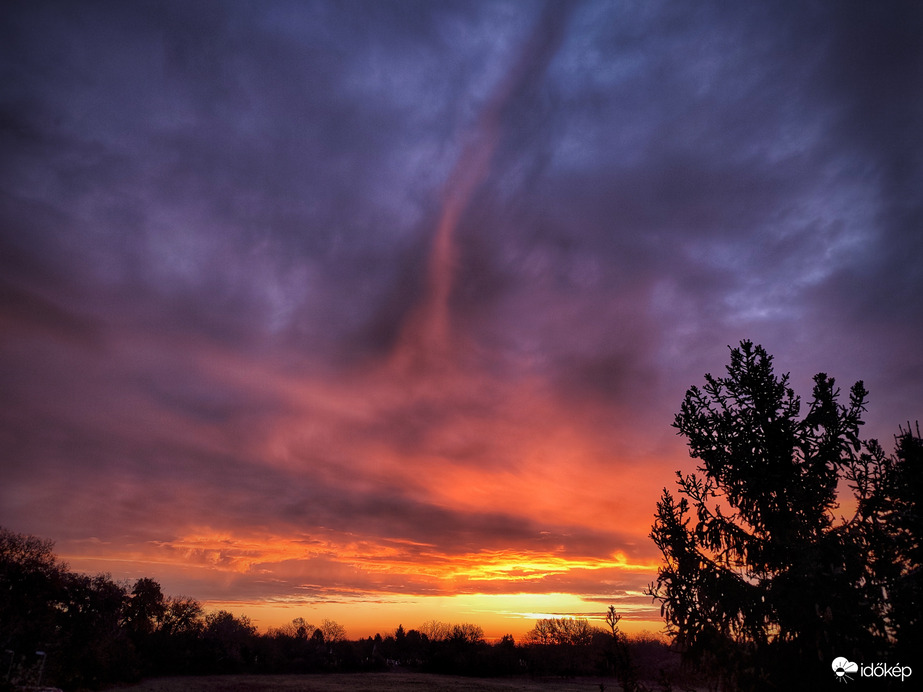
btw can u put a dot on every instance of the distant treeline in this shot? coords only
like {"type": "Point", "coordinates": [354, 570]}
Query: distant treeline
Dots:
{"type": "Point", "coordinates": [76, 631]}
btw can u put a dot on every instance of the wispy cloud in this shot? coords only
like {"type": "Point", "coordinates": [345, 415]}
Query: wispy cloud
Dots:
{"type": "Point", "coordinates": [393, 301]}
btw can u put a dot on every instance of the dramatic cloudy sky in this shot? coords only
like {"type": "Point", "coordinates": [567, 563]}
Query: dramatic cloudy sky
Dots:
{"type": "Point", "coordinates": [381, 311]}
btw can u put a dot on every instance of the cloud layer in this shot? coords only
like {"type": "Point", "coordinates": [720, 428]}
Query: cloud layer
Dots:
{"type": "Point", "coordinates": [312, 302]}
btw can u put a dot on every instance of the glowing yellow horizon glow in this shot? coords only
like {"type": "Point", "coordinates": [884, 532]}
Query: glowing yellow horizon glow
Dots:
{"type": "Point", "coordinates": [382, 583]}
{"type": "Point", "coordinates": [498, 614]}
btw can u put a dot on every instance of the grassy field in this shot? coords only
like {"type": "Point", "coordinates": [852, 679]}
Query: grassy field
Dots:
{"type": "Point", "coordinates": [367, 682]}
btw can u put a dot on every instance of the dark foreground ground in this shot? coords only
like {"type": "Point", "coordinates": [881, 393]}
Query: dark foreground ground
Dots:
{"type": "Point", "coordinates": [367, 682]}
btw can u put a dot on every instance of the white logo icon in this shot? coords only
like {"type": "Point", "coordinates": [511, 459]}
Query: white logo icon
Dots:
{"type": "Point", "coordinates": [842, 666]}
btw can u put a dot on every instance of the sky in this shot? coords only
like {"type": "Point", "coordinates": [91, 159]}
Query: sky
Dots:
{"type": "Point", "coordinates": [381, 312]}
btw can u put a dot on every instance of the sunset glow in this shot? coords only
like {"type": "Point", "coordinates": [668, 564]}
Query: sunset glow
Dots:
{"type": "Point", "coordinates": [381, 312]}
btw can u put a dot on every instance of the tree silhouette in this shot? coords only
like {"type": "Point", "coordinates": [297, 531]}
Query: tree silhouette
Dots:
{"type": "Point", "coordinates": [890, 526]}
{"type": "Point", "coordinates": [564, 645]}
{"type": "Point", "coordinates": [333, 631]}
{"type": "Point", "coordinates": [31, 584]}
{"type": "Point", "coordinates": [146, 607]}
{"type": "Point", "coordinates": [229, 639]}
{"type": "Point", "coordinates": [761, 582]}
{"type": "Point", "coordinates": [902, 491]}
{"type": "Point", "coordinates": [619, 654]}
